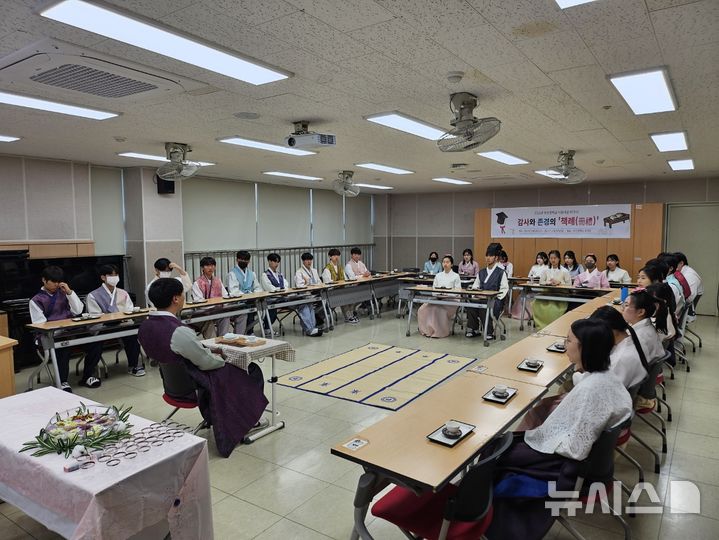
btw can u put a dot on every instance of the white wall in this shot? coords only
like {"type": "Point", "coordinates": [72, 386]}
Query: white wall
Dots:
{"type": "Point", "coordinates": [107, 210]}
{"type": "Point", "coordinates": [284, 216]}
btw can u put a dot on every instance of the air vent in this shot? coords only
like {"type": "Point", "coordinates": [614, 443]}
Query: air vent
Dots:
{"type": "Point", "coordinates": [92, 81]}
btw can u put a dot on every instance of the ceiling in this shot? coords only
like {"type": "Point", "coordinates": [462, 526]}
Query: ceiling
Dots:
{"type": "Point", "coordinates": [540, 69]}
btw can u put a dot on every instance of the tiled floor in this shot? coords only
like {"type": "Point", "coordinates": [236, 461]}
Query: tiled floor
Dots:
{"type": "Point", "coordinates": [288, 486]}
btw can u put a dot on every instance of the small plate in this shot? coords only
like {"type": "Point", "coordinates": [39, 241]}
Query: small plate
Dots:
{"type": "Point", "coordinates": [77, 319]}
{"type": "Point", "coordinates": [552, 348]}
{"type": "Point", "coordinates": [524, 367]}
{"type": "Point", "coordinates": [93, 317]}
{"type": "Point", "coordinates": [129, 312]}
{"type": "Point", "coordinates": [489, 396]}
{"type": "Point", "coordinates": [439, 437]}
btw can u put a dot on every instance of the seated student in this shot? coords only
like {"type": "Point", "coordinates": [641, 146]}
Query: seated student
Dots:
{"type": "Point", "coordinates": [614, 273]}
{"type": "Point", "coordinates": [591, 278]}
{"type": "Point", "coordinates": [541, 261]}
{"type": "Point", "coordinates": [675, 278]}
{"type": "Point", "coordinates": [272, 280]}
{"type": "Point", "coordinates": [468, 267]}
{"type": "Point", "coordinates": [669, 330]}
{"type": "Point", "coordinates": [208, 285]}
{"type": "Point", "coordinates": [305, 276]}
{"type": "Point", "coordinates": [491, 278]}
{"type": "Point", "coordinates": [655, 271]}
{"type": "Point", "coordinates": [109, 298]}
{"type": "Point", "coordinates": [334, 272]}
{"type": "Point", "coordinates": [355, 268]}
{"type": "Point", "coordinates": [234, 398]}
{"type": "Point", "coordinates": [547, 311]}
{"type": "Point", "coordinates": [436, 320]}
{"type": "Point", "coordinates": [551, 452]}
{"type": "Point", "coordinates": [504, 263]}
{"type": "Point", "coordinates": [54, 302]}
{"type": "Point", "coordinates": [432, 265]}
{"type": "Point", "coordinates": [535, 273]}
{"type": "Point", "coordinates": [696, 286]}
{"type": "Point", "coordinates": [571, 265]}
{"type": "Point", "coordinates": [242, 280]}
{"type": "Point", "coordinates": [163, 269]}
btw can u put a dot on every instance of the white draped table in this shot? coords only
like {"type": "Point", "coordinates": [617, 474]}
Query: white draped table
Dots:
{"type": "Point", "coordinates": [165, 488]}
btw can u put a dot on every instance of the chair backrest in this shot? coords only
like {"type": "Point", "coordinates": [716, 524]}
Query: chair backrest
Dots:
{"type": "Point", "coordinates": [413, 269]}
{"type": "Point", "coordinates": [473, 499]}
{"type": "Point", "coordinates": [599, 464]}
{"type": "Point", "coordinates": [177, 381]}
{"type": "Point", "coordinates": [682, 321]}
{"type": "Point", "coordinates": [648, 388]}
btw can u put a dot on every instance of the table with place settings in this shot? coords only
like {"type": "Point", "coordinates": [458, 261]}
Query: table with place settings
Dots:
{"type": "Point", "coordinates": [164, 487]}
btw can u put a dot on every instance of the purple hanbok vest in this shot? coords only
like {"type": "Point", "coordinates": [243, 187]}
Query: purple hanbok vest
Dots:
{"type": "Point", "coordinates": [103, 299]}
{"type": "Point", "coordinates": [55, 307]}
{"type": "Point", "coordinates": [155, 335]}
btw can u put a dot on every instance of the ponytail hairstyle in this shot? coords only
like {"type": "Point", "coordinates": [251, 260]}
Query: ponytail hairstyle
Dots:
{"type": "Point", "coordinates": [652, 306]}
{"type": "Point", "coordinates": [612, 257]}
{"type": "Point", "coordinates": [615, 321]}
{"type": "Point", "coordinates": [597, 342]}
{"type": "Point", "coordinates": [664, 295]}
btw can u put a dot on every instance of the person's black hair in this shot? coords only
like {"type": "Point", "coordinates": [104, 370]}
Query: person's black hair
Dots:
{"type": "Point", "coordinates": [671, 261]}
{"type": "Point", "coordinates": [448, 256]}
{"type": "Point", "coordinates": [243, 255]}
{"type": "Point", "coordinates": [559, 256]}
{"type": "Point", "coordinates": [543, 255]}
{"type": "Point", "coordinates": [570, 253]}
{"type": "Point", "coordinates": [597, 341]}
{"type": "Point", "coordinates": [655, 270]}
{"type": "Point", "coordinates": [681, 257]}
{"type": "Point", "coordinates": [163, 290]}
{"type": "Point", "coordinates": [615, 321]}
{"type": "Point", "coordinates": [274, 257]}
{"type": "Point", "coordinates": [612, 257]}
{"type": "Point", "coordinates": [471, 255]}
{"type": "Point", "coordinates": [307, 256]}
{"type": "Point", "coordinates": [494, 249]}
{"type": "Point", "coordinates": [503, 255]}
{"type": "Point", "coordinates": [107, 269]}
{"type": "Point", "coordinates": [663, 292]}
{"type": "Point", "coordinates": [592, 255]}
{"type": "Point", "coordinates": [334, 251]}
{"type": "Point", "coordinates": [433, 253]}
{"type": "Point", "coordinates": [208, 261]}
{"type": "Point", "coordinates": [355, 251]}
{"type": "Point", "coordinates": [53, 273]}
{"type": "Point", "coordinates": [652, 306]}
{"type": "Point", "coordinates": [162, 264]}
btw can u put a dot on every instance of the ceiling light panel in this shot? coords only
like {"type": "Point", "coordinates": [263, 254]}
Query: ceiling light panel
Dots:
{"type": "Point", "coordinates": [384, 168]}
{"type": "Point", "coordinates": [292, 175]}
{"type": "Point", "coordinates": [151, 157]}
{"type": "Point", "coordinates": [259, 145]}
{"type": "Point", "coordinates": [8, 138]}
{"type": "Point", "coordinates": [550, 174]}
{"type": "Point", "coordinates": [116, 25]}
{"type": "Point", "coordinates": [681, 164]}
{"type": "Point", "coordinates": [451, 181]}
{"type": "Point", "coordinates": [564, 4]}
{"type": "Point", "coordinates": [53, 106]}
{"type": "Point", "coordinates": [373, 186]}
{"type": "Point", "coordinates": [402, 122]}
{"type": "Point", "coordinates": [670, 142]}
{"type": "Point", "coordinates": [503, 157]}
{"type": "Point", "coordinates": [646, 92]}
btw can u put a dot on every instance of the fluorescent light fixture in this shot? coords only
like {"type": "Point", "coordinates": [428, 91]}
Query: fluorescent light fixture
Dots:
{"type": "Point", "coordinates": [681, 164]}
{"type": "Point", "coordinates": [503, 157]}
{"type": "Point", "coordinates": [292, 175]}
{"type": "Point", "coordinates": [373, 186]}
{"type": "Point", "coordinates": [670, 142]}
{"type": "Point", "coordinates": [402, 122]}
{"type": "Point", "coordinates": [8, 138]}
{"type": "Point", "coordinates": [151, 157]}
{"type": "Point", "coordinates": [53, 106]}
{"type": "Point", "coordinates": [128, 29]}
{"type": "Point", "coordinates": [550, 174]}
{"type": "Point", "coordinates": [564, 4]}
{"type": "Point", "coordinates": [384, 168]}
{"type": "Point", "coordinates": [451, 181]}
{"type": "Point", "coordinates": [646, 92]}
{"type": "Point", "coordinates": [249, 143]}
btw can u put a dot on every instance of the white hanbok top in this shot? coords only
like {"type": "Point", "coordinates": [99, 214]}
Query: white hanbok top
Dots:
{"type": "Point", "coordinates": [447, 280]}
{"type": "Point", "coordinates": [694, 280]}
{"type": "Point", "coordinates": [118, 296]}
{"type": "Point", "coordinates": [558, 274]}
{"type": "Point", "coordinates": [618, 275]}
{"type": "Point", "coordinates": [267, 284]}
{"type": "Point", "coordinates": [305, 277]}
{"type": "Point", "coordinates": [650, 339]}
{"type": "Point", "coordinates": [598, 402]}
{"type": "Point", "coordinates": [508, 268]}
{"type": "Point", "coordinates": [624, 363]}
{"type": "Point", "coordinates": [536, 270]}
{"type": "Point", "coordinates": [355, 269]}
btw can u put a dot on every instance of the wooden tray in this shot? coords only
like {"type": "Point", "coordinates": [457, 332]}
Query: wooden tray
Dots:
{"type": "Point", "coordinates": [239, 342]}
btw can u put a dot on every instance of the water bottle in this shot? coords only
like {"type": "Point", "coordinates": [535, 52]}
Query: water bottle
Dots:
{"type": "Point", "coordinates": [624, 293]}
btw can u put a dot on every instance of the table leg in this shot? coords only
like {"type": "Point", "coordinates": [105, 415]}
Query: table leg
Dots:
{"type": "Point", "coordinates": [524, 305]}
{"type": "Point", "coordinates": [399, 306]}
{"type": "Point", "coordinates": [55, 369]}
{"type": "Point", "coordinates": [274, 426]}
{"type": "Point", "coordinates": [331, 319]}
{"type": "Point", "coordinates": [36, 372]}
{"type": "Point", "coordinates": [372, 310]}
{"type": "Point", "coordinates": [509, 305]}
{"type": "Point", "coordinates": [409, 313]}
{"type": "Point", "coordinates": [487, 315]}
{"type": "Point", "coordinates": [328, 321]}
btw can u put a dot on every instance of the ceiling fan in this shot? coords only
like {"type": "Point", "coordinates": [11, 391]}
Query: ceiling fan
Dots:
{"type": "Point", "coordinates": [178, 167]}
{"type": "Point", "coordinates": [343, 185]}
{"type": "Point", "coordinates": [565, 172]}
{"type": "Point", "coordinates": [468, 131]}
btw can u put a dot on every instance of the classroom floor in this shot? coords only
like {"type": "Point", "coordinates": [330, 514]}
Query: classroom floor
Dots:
{"type": "Point", "coordinates": [288, 486]}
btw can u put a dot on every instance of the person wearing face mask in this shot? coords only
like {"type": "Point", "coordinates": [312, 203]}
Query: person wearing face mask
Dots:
{"type": "Point", "coordinates": [242, 280]}
{"type": "Point", "coordinates": [432, 265]}
{"type": "Point", "coordinates": [109, 298]}
{"type": "Point", "coordinates": [591, 278]}
{"type": "Point", "coordinates": [163, 269]}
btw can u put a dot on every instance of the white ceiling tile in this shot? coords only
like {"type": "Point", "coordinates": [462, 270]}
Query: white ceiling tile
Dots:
{"type": "Point", "coordinates": [589, 86]}
{"type": "Point", "coordinates": [518, 75]}
{"type": "Point", "coordinates": [559, 106]}
{"type": "Point", "coordinates": [305, 64]}
{"type": "Point", "coordinates": [347, 15]}
{"type": "Point", "coordinates": [611, 20]}
{"type": "Point", "coordinates": [689, 25]}
{"type": "Point", "coordinates": [432, 16]}
{"type": "Point", "coordinates": [251, 12]}
{"type": "Point", "coordinates": [481, 47]}
{"type": "Point", "coordinates": [634, 54]}
{"type": "Point", "coordinates": [522, 19]}
{"type": "Point", "coordinates": [558, 50]}
{"type": "Point", "coordinates": [655, 5]}
{"type": "Point", "coordinates": [154, 9]}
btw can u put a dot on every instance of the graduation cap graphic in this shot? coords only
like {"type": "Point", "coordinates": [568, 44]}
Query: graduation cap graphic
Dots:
{"type": "Point", "coordinates": [501, 218]}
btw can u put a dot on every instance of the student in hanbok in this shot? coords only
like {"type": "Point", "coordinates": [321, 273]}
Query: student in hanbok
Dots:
{"type": "Point", "coordinates": [571, 264]}
{"type": "Point", "coordinates": [552, 451]}
{"type": "Point", "coordinates": [307, 275]}
{"type": "Point", "coordinates": [504, 263]}
{"type": "Point", "coordinates": [332, 273]}
{"type": "Point", "coordinates": [616, 274]}
{"type": "Point", "coordinates": [432, 265]}
{"type": "Point", "coordinates": [656, 271]}
{"type": "Point", "coordinates": [242, 280]}
{"type": "Point", "coordinates": [468, 267]}
{"type": "Point", "coordinates": [491, 278]}
{"type": "Point", "coordinates": [354, 269]}
{"type": "Point", "coordinates": [436, 320]}
{"type": "Point", "coordinates": [109, 298]}
{"type": "Point", "coordinates": [164, 268]}
{"type": "Point", "coordinates": [540, 264]}
{"type": "Point", "coordinates": [206, 286]}
{"type": "Point", "coordinates": [230, 399]}
{"type": "Point", "coordinates": [547, 311]}
{"type": "Point", "coordinates": [696, 286]}
{"type": "Point", "coordinates": [535, 272]}
{"type": "Point", "coordinates": [591, 278]}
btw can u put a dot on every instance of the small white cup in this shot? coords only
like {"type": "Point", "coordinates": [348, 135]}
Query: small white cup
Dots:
{"type": "Point", "coordinates": [500, 390]}
{"type": "Point", "coordinates": [251, 339]}
{"type": "Point", "coordinates": [531, 362]}
{"type": "Point", "coordinates": [136, 309]}
{"type": "Point", "coordinates": [85, 315]}
{"type": "Point", "coordinates": [452, 426]}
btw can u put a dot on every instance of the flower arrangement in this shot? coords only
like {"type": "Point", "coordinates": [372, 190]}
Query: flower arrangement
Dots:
{"type": "Point", "coordinates": [87, 427]}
